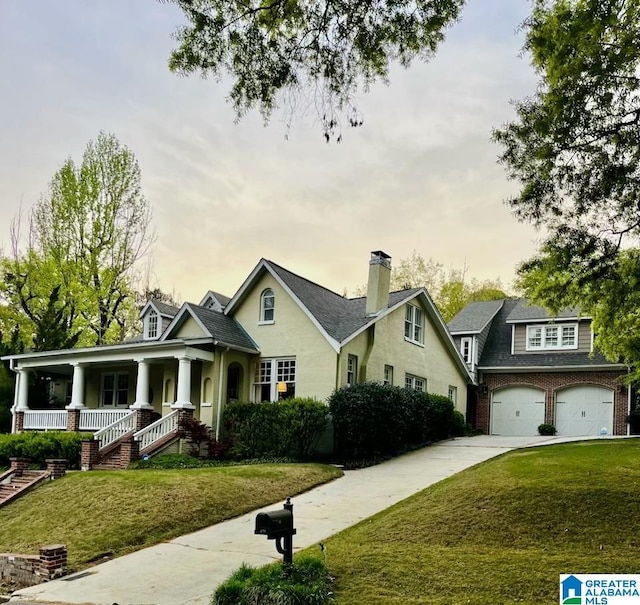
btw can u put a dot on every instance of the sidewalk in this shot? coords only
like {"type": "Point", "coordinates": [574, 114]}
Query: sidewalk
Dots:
{"type": "Point", "coordinates": [186, 570]}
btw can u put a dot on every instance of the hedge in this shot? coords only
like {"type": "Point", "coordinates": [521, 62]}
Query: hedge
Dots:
{"type": "Point", "coordinates": [38, 446]}
{"type": "Point", "coordinates": [372, 420]}
{"type": "Point", "coordinates": [292, 427]}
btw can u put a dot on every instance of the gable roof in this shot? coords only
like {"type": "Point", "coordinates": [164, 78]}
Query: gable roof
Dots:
{"type": "Point", "coordinates": [497, 350]}
{"type": "Point", "coordinates": [224, 330]}
{"type": "Point", "coordinates": [523, 312]}
{"type": "Point", "coordinates": [474, 318]}
{"type": "Point", "coordinates": [338, 318]}
{"type": "Point", "coordinates": [220, 300]}
{"type": "Point", "coordinates": [161, 308]}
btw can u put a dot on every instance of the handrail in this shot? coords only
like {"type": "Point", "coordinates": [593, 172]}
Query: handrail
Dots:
{"type": "Point", "coordinates": [157, 430]}
{"type": "Point", "coordinates": [116, 430]}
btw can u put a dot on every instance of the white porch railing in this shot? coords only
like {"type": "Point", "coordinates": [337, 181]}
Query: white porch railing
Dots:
{"type": "Point", "coordinates": [41, 420]}
{"type": "Point", "coordinates": [94, 420]}
{"type": "Point", "coordinates": [157, 430]}
{"type": "Point", "coordinates": [118, 429]}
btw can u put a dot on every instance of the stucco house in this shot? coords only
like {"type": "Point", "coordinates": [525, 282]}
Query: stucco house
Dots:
{"type": "Point", "coordinates": [529, 368]}
{"type": "Point", "coordinates": [280, 335]}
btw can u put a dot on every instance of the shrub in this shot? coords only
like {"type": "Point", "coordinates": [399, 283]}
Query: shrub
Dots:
{"type": "Point", "coordinates": [547, 429]}
{"type": "Point", "coordinates": [38, 446]}
{"type": "Point", "coordinates": [307, 583]}
{"type": "Point", "coordinates": [458, 426]}
{"type": "Point", "coordinates": [291, 427]}
{"type": "Point", "coordinates": [371, 420]}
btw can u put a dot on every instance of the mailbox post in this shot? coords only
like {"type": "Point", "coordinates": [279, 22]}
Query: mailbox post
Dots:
{"type": "Point", "coordinates": [278, 525]}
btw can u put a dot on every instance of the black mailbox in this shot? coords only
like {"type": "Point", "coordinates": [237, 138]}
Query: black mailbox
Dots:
{"type": "Point", "coordinates": [275, 523]}
{"type": "Point", "coordinates": [278, 525]}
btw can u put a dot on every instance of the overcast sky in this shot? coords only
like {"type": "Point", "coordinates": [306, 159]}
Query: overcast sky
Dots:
{"type": "Point", "coordinates": [421, 174]}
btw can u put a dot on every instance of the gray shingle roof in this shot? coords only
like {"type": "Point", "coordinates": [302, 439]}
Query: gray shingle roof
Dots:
{"type": "Point", "coordinates": [339, 316]}
{"type": "Point", "coordinates": [223, 328]}
{"type": "Point", "coordinates": [497, 350]}
{"type": "Point", "coordinates": [523, 311]}
{"type": "Point", "coordinates": [474, 317]}
{"type": "Point", "coordinates": [164, 308]}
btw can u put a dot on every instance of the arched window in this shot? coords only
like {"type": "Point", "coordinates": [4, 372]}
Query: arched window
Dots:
{"type": "Point", "coordinates": [207, 391]}
{"type": "Point", "coordinates": [267, 306]}
{"type": "Point", "coordinates": [169, 395]}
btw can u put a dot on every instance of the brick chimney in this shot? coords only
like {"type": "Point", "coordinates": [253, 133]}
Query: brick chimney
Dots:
{"type": "Point", "coordinates": [379, 280]}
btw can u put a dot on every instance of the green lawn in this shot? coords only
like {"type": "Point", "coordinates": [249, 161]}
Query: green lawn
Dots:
{"type": "Point", "coordinates": [116, 512]}
{"type": "Point", "coordinates": [499, 533]}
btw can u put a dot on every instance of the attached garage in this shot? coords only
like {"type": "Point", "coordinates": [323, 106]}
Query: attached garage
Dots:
{"type": "Point", "coordinates": [584, 410]}
{"type": "Point", "coordinates": [517, 411]}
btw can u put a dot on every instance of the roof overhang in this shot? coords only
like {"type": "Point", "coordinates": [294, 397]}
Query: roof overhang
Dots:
{"type": "Point", "coordinates": [556, 369]}
{"type": "Point", "coordinates": [545, 320]}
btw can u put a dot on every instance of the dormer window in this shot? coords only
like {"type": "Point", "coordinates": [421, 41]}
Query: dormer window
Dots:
{"type": "Point", "coordinates": [549, 337]}
{"type": "Point", "coordinates": [151, 331]}
{"type": "Point", "coordinates": [267, 306]}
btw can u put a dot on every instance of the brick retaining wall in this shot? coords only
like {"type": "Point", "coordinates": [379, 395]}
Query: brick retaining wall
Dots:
{"type": "Point", "coordinates": [27, 570]}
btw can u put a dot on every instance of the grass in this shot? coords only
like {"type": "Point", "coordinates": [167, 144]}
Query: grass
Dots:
{"type": "Point", "coordinates": [499, 533]}
{"type": "Point", "coordinates": [114, 512]}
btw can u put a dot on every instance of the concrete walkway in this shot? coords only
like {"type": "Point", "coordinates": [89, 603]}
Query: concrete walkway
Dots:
{"type": "Point", "coordinates": [185, 571]}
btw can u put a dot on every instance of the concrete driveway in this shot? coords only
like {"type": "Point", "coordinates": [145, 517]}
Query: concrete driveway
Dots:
{"type": "Point", "coordinates": [186, 570]}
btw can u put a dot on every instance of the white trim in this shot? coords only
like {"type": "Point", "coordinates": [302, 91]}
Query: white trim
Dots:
{"type": "Point", "coordinates": [114, 397]}
{"type": "Point", "coordinates": [266, 323]}
{"type": "Point", "coordinates": [151, 303]}
{"type": "Point", "coordinates": [543, 337]}
{"type": "Point", "coordinates": [467, 340]}
{"type": "Point", "coordinates": [548, 319]}
{"type": "Point", "coordinates": [593, 336]}
{"type": "Point", "coordinates": [513, 340]}
{"type": "Point", "coordinates": [556, 369]}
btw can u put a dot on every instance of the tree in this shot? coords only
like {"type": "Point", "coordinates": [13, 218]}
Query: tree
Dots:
{"type": "Point", "coordinates": [85, 236]}
{"type": "Point", "coordinates": [575, 151]}
{"type": "Point", "coordinates": [282, 50]}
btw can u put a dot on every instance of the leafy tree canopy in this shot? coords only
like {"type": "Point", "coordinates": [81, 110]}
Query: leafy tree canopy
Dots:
{"type": "Point", "coordinates": [575, 151]}
{"type": "Point", "coordinates": [303, 53]}
{"type": "Point", "coordinates": [70, 280]}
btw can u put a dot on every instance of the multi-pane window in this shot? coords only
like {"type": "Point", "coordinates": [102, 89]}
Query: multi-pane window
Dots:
{"type": "Point", "coordinates": [152, 326]}
{"type": "Point", "coordinates": [552, 337]}
{"type": "Point", "coordinates": [453, 394]}
{"type": "Point", "coordinates": [414, 324]}
{"type": "Point", "coordinates": [466, 349]}
{"type": "Point", "coordinates": [275, 379]}
{"type": "Point", "coordinates": [388, 375]}
{"type": "Point", "coordinates": [267, 306]}
{"type": "Point", "coordinates": [352, 369]}
{"type": "Point", "coordinates": [115, 389]}
{"type": "Point", "coordinates": [415, 383]}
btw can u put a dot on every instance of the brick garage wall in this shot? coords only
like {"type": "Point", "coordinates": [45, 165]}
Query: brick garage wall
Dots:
{"type": "Point", "coordinates": [550, 383]}
{"type": "Point", "coordinates": [27, 570]}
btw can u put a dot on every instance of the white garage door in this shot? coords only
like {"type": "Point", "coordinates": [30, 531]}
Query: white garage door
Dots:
{"type": "Point", "coordinates": [517, 411]}
{"type": "Point", "coordinates": [584, 410]}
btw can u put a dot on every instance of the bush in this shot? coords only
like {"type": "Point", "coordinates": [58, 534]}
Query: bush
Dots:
{"type": "Point", "coordinates": [308, 583]}
{"type": "Point", "coordinates": [371, 420]}
{"type": "Point", "coordinates": [547, 429]}
{"type": "Point", "coordinates": [38, 446]}
{"type": "Point", "coordinates": [291, 427]}
{"type": "Point", "coordinates": [459, 426]}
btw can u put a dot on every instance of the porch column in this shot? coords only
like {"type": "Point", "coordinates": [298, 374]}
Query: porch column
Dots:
{"type": "Point", "coordinates": [183, 400]}
{"type": "Point", "coordinates": [77, 390]}
{"type": "Point", "coordinates": [142, 387]}
{"type": "Point", "coordinates": [22, 390]}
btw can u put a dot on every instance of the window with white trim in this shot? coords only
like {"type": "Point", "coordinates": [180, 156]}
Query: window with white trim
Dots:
{"type": "Point", "coordinates": [414, 324]}
{"type": "Point", "coordinates": [352, 369]}
{"type": "Point", "coordinates": [552, 337]}
{"type": "Point", "coordinates": [388, 375]}
{"type": "Point", "coordinates": [151, 325]}
{"type": "Point", "coordinates": [453, 394]}
{"type": "Point", "coordinates": [267, 306]}
{"type": "Point", "coordinates": [115, 390]}
{"type": "Point", "coordinates": [415, 383]}
{"type": "Point", "coordinates": [275, 379]}
{"type": "Point", "coordinates": [466, 349]}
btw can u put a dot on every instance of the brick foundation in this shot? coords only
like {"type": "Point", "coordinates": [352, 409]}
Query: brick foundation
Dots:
{"type": "Point", "coordinates": [73, 420]}
{"type": "Point", "coordinates": [19, 465]}
{"type": "Point", "coordinates": [550, 383]}
{"type": "Point", "coordinates": [129, 451]}
{"type": "Point", "coordinates": [19, 427]}
{"type": "Point", "coordinates": [27, 570]}
{"type": "Point", "coordinates": [57, 467]}
{"type": "Point", "coordinates": [143, 418]}
{"type": "Point", "coordinates": [89, 454]}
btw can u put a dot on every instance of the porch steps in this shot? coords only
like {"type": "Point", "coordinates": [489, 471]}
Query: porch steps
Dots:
{"type": "Point", "coordinates": [20, 484]}
{"type": "Point", "coordinates": [157, 446]}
